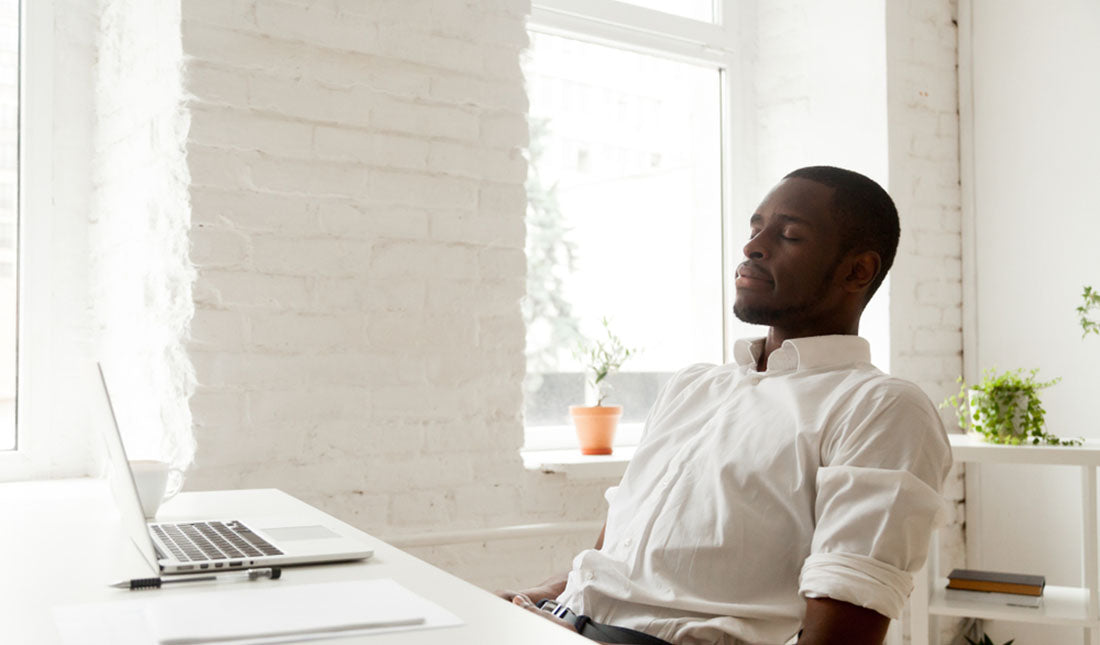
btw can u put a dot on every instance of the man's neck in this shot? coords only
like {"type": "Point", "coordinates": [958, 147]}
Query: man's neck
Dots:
{"type": "Point", "coordinates": [777, 336]}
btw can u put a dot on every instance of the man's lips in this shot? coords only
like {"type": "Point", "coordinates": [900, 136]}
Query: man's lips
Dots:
{"type": "Point", "coordinates": [748, 275]}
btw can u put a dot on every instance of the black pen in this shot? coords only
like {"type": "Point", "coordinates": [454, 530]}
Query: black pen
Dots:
{"type": "Point", "coordinates": [243, 576]}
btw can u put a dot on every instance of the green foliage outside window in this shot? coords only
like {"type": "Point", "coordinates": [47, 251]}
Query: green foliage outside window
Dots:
{"type": "Point", "coordinates": [551, 257]}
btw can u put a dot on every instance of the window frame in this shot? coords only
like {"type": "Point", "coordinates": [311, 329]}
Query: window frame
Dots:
{"type": "Point", "coordinates": [32, 340]}
{"type": "Point", "coordinates": [49, 377]}
{"type": "Point", "coordinates": [710, 44]}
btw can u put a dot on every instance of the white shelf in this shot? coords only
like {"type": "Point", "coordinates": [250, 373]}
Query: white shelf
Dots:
{"type": "Point", "coordinates": [1061, 606]}
{"type": "Point", "coordinates": [971, 448]}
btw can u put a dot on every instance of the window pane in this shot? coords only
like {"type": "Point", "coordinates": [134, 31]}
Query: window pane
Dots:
{"type": "Point", "coordinates": [9, 182]}
{"type": "Point", "coordinates": [624, 219]}
{"type": "Point", "coordinates": [697, 9]}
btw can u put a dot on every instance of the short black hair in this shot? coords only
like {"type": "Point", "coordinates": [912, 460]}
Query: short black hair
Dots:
{"type": "Point", "coordinates": [865, 211]}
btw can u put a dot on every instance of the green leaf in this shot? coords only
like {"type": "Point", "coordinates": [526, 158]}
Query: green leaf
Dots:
{"type": "Point", "coordinates": [1091, 300]}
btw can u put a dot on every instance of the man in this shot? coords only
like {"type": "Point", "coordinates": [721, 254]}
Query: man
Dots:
{"type": "Point", "coordinates": [792, 491]}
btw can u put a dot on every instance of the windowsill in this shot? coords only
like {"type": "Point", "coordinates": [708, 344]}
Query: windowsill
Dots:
{"type": "Point", "coordinates": [553, 449]}
{"type": "Point", "coordinates": [574, 465]}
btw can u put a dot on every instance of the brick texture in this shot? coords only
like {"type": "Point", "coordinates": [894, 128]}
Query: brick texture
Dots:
{"type": "Point", "coordinates": [139, 268]}
{"type": "Point", "coordinates": [926, 283]}
{"type": "Point", "coordinates": [358, 203]}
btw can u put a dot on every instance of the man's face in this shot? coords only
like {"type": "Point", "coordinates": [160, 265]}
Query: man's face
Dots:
{"type": "Point", "coordinates": [793, 251]}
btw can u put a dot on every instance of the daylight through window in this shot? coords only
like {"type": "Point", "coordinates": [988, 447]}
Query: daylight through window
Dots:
{"type": "Point", "coordinates": [624, 219]}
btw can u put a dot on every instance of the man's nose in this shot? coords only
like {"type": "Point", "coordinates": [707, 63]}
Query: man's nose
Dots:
{"type": "Point", "coordinates": [755, 249]}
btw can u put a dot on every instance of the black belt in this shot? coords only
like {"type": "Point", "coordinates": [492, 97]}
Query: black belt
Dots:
{"type": "Point", "coordinates": [598, 631]}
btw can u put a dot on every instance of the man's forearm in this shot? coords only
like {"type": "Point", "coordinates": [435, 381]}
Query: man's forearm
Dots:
{"type": "Point", "coordinates": [557, 583]}
{"type": "Point", "coordinates": [829, 621]}
{"type": "Point", "coordinates": [550, 588]}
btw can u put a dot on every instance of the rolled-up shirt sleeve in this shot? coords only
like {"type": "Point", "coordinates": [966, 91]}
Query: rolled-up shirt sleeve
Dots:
{"type": "Point", "coordinates": [878, 500]}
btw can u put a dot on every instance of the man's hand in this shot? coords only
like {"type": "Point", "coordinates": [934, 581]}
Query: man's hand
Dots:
{"type": "Point", "coordinates": [533, 595]}
{"type": "Point", "coordinates": [832, 622]}
{"type": "Point", "coordinates": [551, 588]}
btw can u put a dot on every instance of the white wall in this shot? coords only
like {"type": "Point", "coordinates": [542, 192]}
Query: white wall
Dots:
{"type": "Point", "coordinates": [358, 203]}
{"type": "Point", "coordinates": [141, 284]}
{"type": "Point", "coordinates": [1036, 97]}
{"type": "Point", "coordinates": [926, 282]}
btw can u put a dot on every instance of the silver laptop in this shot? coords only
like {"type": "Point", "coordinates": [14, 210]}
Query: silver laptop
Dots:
{"type": "Point", "coordinates": [214, 544]}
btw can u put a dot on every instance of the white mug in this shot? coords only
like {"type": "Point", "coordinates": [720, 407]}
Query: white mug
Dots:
{"type": "Point", "coordinates": [152, 480]}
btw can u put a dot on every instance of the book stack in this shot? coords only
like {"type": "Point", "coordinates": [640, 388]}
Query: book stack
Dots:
{"type": "Point", "coordinates": [995, 587]}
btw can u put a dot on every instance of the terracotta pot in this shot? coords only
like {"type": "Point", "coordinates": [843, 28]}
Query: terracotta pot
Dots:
{"type": "Point", "coordinates": [596, 427]}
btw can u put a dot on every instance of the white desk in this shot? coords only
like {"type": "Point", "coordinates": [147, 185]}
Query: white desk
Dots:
{"type": "Point", "coordinates": [34, 580]}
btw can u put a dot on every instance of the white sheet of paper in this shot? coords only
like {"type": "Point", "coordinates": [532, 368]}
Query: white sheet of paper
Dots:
{"type": "Point", "coordinates": [246, 615]}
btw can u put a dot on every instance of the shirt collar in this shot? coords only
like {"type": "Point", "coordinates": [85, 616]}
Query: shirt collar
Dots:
{"type": "Point", "coordinates": [804, 353]}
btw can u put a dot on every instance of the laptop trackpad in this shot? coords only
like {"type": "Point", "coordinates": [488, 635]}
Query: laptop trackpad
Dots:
{"type": "Point", "coordinates": [316, 532]}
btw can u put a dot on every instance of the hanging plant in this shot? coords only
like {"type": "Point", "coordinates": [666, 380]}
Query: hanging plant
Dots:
{"type": "Point", "coordinates": [1091, 301]}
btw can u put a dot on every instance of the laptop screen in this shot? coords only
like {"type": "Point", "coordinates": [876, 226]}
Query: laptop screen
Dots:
{"type": "Point", "coordinates": [119, 476]}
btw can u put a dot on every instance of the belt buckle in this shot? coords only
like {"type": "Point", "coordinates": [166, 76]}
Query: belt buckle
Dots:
{"type": "Point", "coordinates": [554, 608]}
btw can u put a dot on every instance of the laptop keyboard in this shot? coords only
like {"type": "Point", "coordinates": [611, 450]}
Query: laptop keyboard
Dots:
{"type": "Point", "coordinates": [196, 541]}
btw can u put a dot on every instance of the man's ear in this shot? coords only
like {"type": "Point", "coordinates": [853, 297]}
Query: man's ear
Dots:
{"type": "Point", "coordinates": [862, 268]}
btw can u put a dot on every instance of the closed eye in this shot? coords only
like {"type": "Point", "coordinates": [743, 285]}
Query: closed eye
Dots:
{"type": "Point", "coordinates": [790, 234]}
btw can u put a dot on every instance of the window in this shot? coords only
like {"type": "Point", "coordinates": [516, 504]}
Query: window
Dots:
{"type": "Point", "coordinates": [54, 190]}
{"type": "Point", "coordinates": [9, 202]}
{"type": "Point", "coordinates": [625, 191]}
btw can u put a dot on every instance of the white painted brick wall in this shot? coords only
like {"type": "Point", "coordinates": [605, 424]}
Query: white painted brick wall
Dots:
{"type": "Point", "coordinates": [926, 283]}
{"type": "Point", "coordinates": [357, 194]}
{"type": "Point", "coordinates": [139, 269]}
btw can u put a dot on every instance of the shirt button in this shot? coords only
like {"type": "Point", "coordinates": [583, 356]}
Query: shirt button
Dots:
{"type": "Point", "coordinates": [627, 542]}
{"type": "Point", "coordinates": [588, 575]}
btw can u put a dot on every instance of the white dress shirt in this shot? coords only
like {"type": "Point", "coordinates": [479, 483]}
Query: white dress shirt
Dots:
{"type": "Point", "coordinates": [820, 477]}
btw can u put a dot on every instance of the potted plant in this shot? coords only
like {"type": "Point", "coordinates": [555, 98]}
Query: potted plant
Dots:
{"type": "Point", "coordinates": [1005, 408]}
{"type": "Point", "coordinates": [596, 424]}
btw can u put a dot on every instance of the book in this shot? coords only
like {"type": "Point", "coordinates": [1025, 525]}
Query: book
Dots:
{"type": "Point", "coordinates": [996, 581]}
{"type": "Point", "coordinates": [994, 598]}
